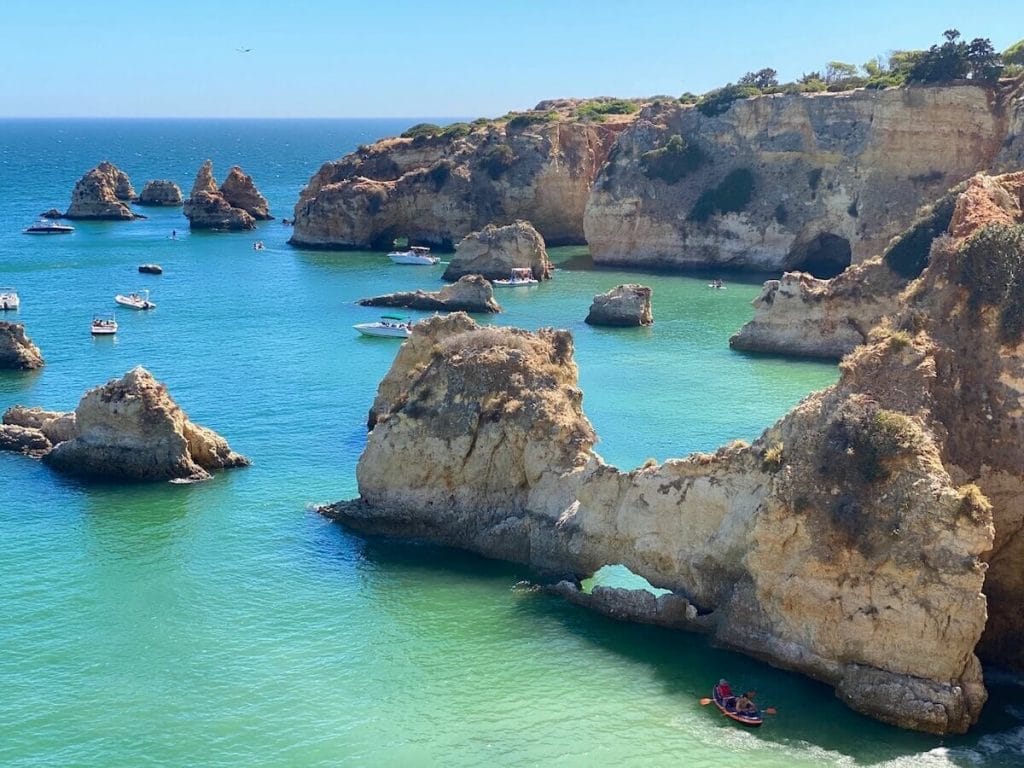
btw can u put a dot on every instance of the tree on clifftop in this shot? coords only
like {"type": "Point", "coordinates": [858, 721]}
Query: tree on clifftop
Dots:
{"type": "Point", "coordinates": [762, 79]}
{"type": "Point", "coordinates": [957, 60]}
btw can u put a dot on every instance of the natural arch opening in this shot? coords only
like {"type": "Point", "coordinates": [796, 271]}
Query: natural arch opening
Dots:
{"type": "Point", "coordinates": [826, 255]}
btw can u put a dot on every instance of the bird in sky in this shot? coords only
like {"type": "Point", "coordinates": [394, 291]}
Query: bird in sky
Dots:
{"type": "Point", "coordinates": [243, 50]}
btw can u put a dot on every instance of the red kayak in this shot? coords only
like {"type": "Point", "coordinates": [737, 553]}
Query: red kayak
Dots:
{"type": "Point", "coordinates": [727, 707]}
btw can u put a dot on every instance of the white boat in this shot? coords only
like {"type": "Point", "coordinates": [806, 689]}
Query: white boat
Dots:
{"type": "Point", "coordinates": [49, 227]}
{"type": "Point", "coordinates": [416, 254]}
{"type": "Point", "coordinates": [135, 301]}
{"type": "Point", "coordinates": [104, 326]}
{"type": "Point", "coordinates": [9, 299]}
{"type": "Point", "coordinates": [391, 326]}
{"type": "Point", "coordinates": [519, 276]}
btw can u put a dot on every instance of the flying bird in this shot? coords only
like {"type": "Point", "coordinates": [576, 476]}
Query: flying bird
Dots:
{"type": "Point", "coordinates": [243, 50]}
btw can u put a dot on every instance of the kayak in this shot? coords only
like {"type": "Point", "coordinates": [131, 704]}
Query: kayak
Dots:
{"type": "Point", "coordinates": [728, 708]}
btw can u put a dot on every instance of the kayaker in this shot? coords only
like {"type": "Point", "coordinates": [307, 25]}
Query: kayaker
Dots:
{"type": "Point", "coordinates": [723, 690]}
{"type": "Point", "coordinates": [745, 703]}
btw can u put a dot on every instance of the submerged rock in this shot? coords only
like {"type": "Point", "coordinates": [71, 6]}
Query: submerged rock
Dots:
{"type": "Point", "coordinates": [627, 305]}
{"type": "Point", "coordinates": [471, 293]}
{"type": "Point", "coordinates": [102, 193]}
{"type": "Point", "coordinates": [161, 192]}
{"type": "Point", "coordinates": [131, 429]}
{"type": "Point", "coordinates": [207, 208]}
{"type": "Point", "coordinates": [17, 352]}
{"type": "Point", "coordinates": [495, 251]}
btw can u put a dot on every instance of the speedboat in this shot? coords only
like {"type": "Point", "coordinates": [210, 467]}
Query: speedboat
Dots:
{"type": "Point", "coordinates": [104, 326]}
{"type": "Point", "coordinates": [9, 299]}
{"type": "Point", "coordinates": [135, 301]}
{"type": "Point", "coordinates": [417, 254]}
{"type": "Point", "coordinates": [391, 326]}
{"type": "Point", "coordinates": [519, 276]}
{"type": "Point", "coordinates": [49, 227]}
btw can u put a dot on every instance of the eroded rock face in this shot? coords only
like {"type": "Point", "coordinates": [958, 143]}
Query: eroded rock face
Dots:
{"type": "Point", "coordinates": [102, 193]}
{"type": "Point", "coordinates": [471, 293]}
{"type": "Point", "coordinates": [17, 352]}
{"type": "Point", "coordinates": [627, 305]}
{"type": "Point", "coordinates": [809, 182]}
{"type": "Point", "coordinates": [161, 192]}
{"type": "Point", "coordinates": [131, 429]}
{"type": "Point", "coordinates": [240, 191]}
{"type": "Point", "coordinates": [495, 251]}
{"type": "Point", "coordinates": [33, 431]}
{"type": "Point", "coordinates": [436, 191]}
{"type": "Point", "coordinates": [871, 538]}
{"type": "Point", "coordinates": [207, 208]}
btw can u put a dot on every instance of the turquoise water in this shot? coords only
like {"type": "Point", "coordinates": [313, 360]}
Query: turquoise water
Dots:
{"type": "Point", "coordinates": [225, 624]}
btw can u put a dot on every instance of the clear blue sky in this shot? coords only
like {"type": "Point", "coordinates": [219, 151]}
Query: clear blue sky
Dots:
{"type": "Point", "coordinates": [318, 58]}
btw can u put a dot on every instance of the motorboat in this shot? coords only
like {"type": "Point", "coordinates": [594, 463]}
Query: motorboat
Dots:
{"type": "Point", "coordinates": [104, 326]}
{"type": "Point", "coordinates": [519, 276]}
{"type": "Point", "coordinates": [151, 269]}
{"type": "Point", "coordinates": [390, 326]}
{"type": "Point", "coordinates": [135, 301]}
{"type": "Point", "coordinates": [9, 299]}
{"type": "Point", "coordinates": [417, 254]}
{"type": "Point", "coordinates": [49, 227]}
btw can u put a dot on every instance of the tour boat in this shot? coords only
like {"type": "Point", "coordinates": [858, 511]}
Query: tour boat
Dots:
{"type": "Point", "coordinates": [519, 276]}
{"type": "Point", "coordinates": [135, 301]}
{"type": "Point", "coordinates": [416, 254]}
{"type": "Point", "coordinates": [727, 706]}
{"type": "Point", "coordinates": [104, 326]}
{"type": "Point", "coordinates": [49, 227]}
{"type": "Point", "coordinates": [391, 326]}
{"type": "Point", "coordinates": [9, 299]}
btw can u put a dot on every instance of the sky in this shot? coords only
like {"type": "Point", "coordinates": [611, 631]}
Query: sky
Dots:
{"type": "Point", "coordinates": [458, 58]}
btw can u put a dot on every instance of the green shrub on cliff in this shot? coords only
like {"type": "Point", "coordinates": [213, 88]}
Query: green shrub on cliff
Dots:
{"type": "Point", "coordinates": [456, 131]}
{"type": "Point", "coordinates": [497, 160]}
{"type": "Point", "coordinates": [718, 101]}
{"type": "Point", "coordinates": [957, 60]}
{"type": "Point", "coordinates": [909, 255]}
{"type": "Point", "coordinates": [425, 130]}
{"type": "Point", "coordinates": [673, 161]}
{"type": "Point", "coordinates": [864, 438]}
{"type": "Point", "coordinates": [595, 111]}
{"type": "Point", "coordinates": [731, 196]}
{"type": "Point", "coordinates": [991, 267]}
{"type": "Point", "coordinates": [1014, 54]}
{"type": "Point", "coordinates": [520, 120]}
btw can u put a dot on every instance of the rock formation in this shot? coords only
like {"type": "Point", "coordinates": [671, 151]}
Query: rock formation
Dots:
{"type": "Point", "coordinates": [53, 213]}
{"type": "Point", "coordinates": [161, 192]}
{"type": "Point", "coordinates": [127, 429]}
{"type": "Point", "coordinates": [207, 208]}
{"type": "Point", "coordinates": [626, 305]}
{"type": "Point", "coordinates": [538, 166]}
{"type": "Point", "coordinates": [17, 352]}
{"type": "Point", "coordinates": [495, 251]}
{"type": "Point", "coordinates": [102, 193]}
{"type": "Point", "coordinates": [870, 539]}
{"type": "Point", "coordinates": [803, 182]}
{"type": "Point", "coordinates": [471, 293]}
{"type": "Point", "coordinates": [240, 192]}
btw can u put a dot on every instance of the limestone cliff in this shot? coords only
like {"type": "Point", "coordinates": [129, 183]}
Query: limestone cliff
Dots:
{"type": "Point", "coordinates": [809, 182]}
{"type": "Point", "coordinates": [626, 305]}
{"type": "Point", "coordinates": [470, 293]}
{"type": "Point", "coordinates": [437, 189]}
{"type": "Point", "coordinates": [495, 251]}
{"type": "Point", "coordinates": [128, 429]}
{"type": "Point", "coordinates": [102, 193]}
{"type": "Point", "coordinates": [208, 208]}
{"type": "Point", "coordinates": [871, 538]}
{"type": "Point", "coordinates": [161, 192]}
{"type": "Point", "coordinates": [17, 352]}
{"type": "Point", "coordinates": [240, 192]}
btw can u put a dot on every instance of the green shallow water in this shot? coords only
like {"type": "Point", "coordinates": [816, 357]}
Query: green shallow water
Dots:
{"type": "Point", "coordinates": [224, 623]}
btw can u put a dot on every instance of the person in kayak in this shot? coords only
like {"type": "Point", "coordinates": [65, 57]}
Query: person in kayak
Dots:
{"type": "Point", "coordinates": [724, 692]}
{"type": "Point", "coordinates": [745, 703]}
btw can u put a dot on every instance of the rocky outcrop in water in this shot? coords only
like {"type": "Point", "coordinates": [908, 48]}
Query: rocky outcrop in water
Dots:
{"type": "Point", "coordinates": [127, 429]}
{"type": "Point", "coordinates": [240, 191]}
{"type": "Point", "coordinates": [870, 539]}
{"type": "Point", "coordinates": [161, 192]}
{"type": "Point", "coordinates": [102, 193]}
{"type": "Point", "coordinates": [436, 189]}
{"type": "Point", "coordinates": [626, 305]}
{"type": "Point", "coordinates": [471, 293]}
{"type": "Point", "coordinates": [17, 352]}
{"type": "Point", "coordinates": [495, 251]}
{"type": "Point", "coordinates": [208, 208]}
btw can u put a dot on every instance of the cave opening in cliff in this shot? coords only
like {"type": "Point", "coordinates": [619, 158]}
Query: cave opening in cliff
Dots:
{"type": "Point", "coordinates": [824, 256]}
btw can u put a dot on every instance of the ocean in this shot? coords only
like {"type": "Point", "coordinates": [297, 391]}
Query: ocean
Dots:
{"type": "Point", "coordinates": [225, 623]}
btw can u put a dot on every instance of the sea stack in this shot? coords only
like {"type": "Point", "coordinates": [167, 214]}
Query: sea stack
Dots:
{"type": "Point", "coordinates": [627, 305]}
{"type": "Point", "coordinates": [470, 293]}
{"type": "Point", "coordinates": [17, 352]}
{"type": "Point", "coordinates": [131, 429]}
{"type": "Point", "coordinates": [161, 192]}
{"type": "Point", "coordinates": [209, 208]}
{"type": "Point", "coordinates": [240, 192]}
{"type": "Point", "coordinates": [102, 193]}
{"type": "Point", "coordinates": [495, 251]}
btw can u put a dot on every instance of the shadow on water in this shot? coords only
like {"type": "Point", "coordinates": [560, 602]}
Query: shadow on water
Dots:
{"type": "Point", "coordinates": [687, 665]}
{"type": "Point", "coordinates": [12, 382]}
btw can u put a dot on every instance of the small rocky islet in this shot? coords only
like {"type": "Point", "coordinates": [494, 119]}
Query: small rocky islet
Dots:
{"type": "Point", "coordinates": [868, 538]}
